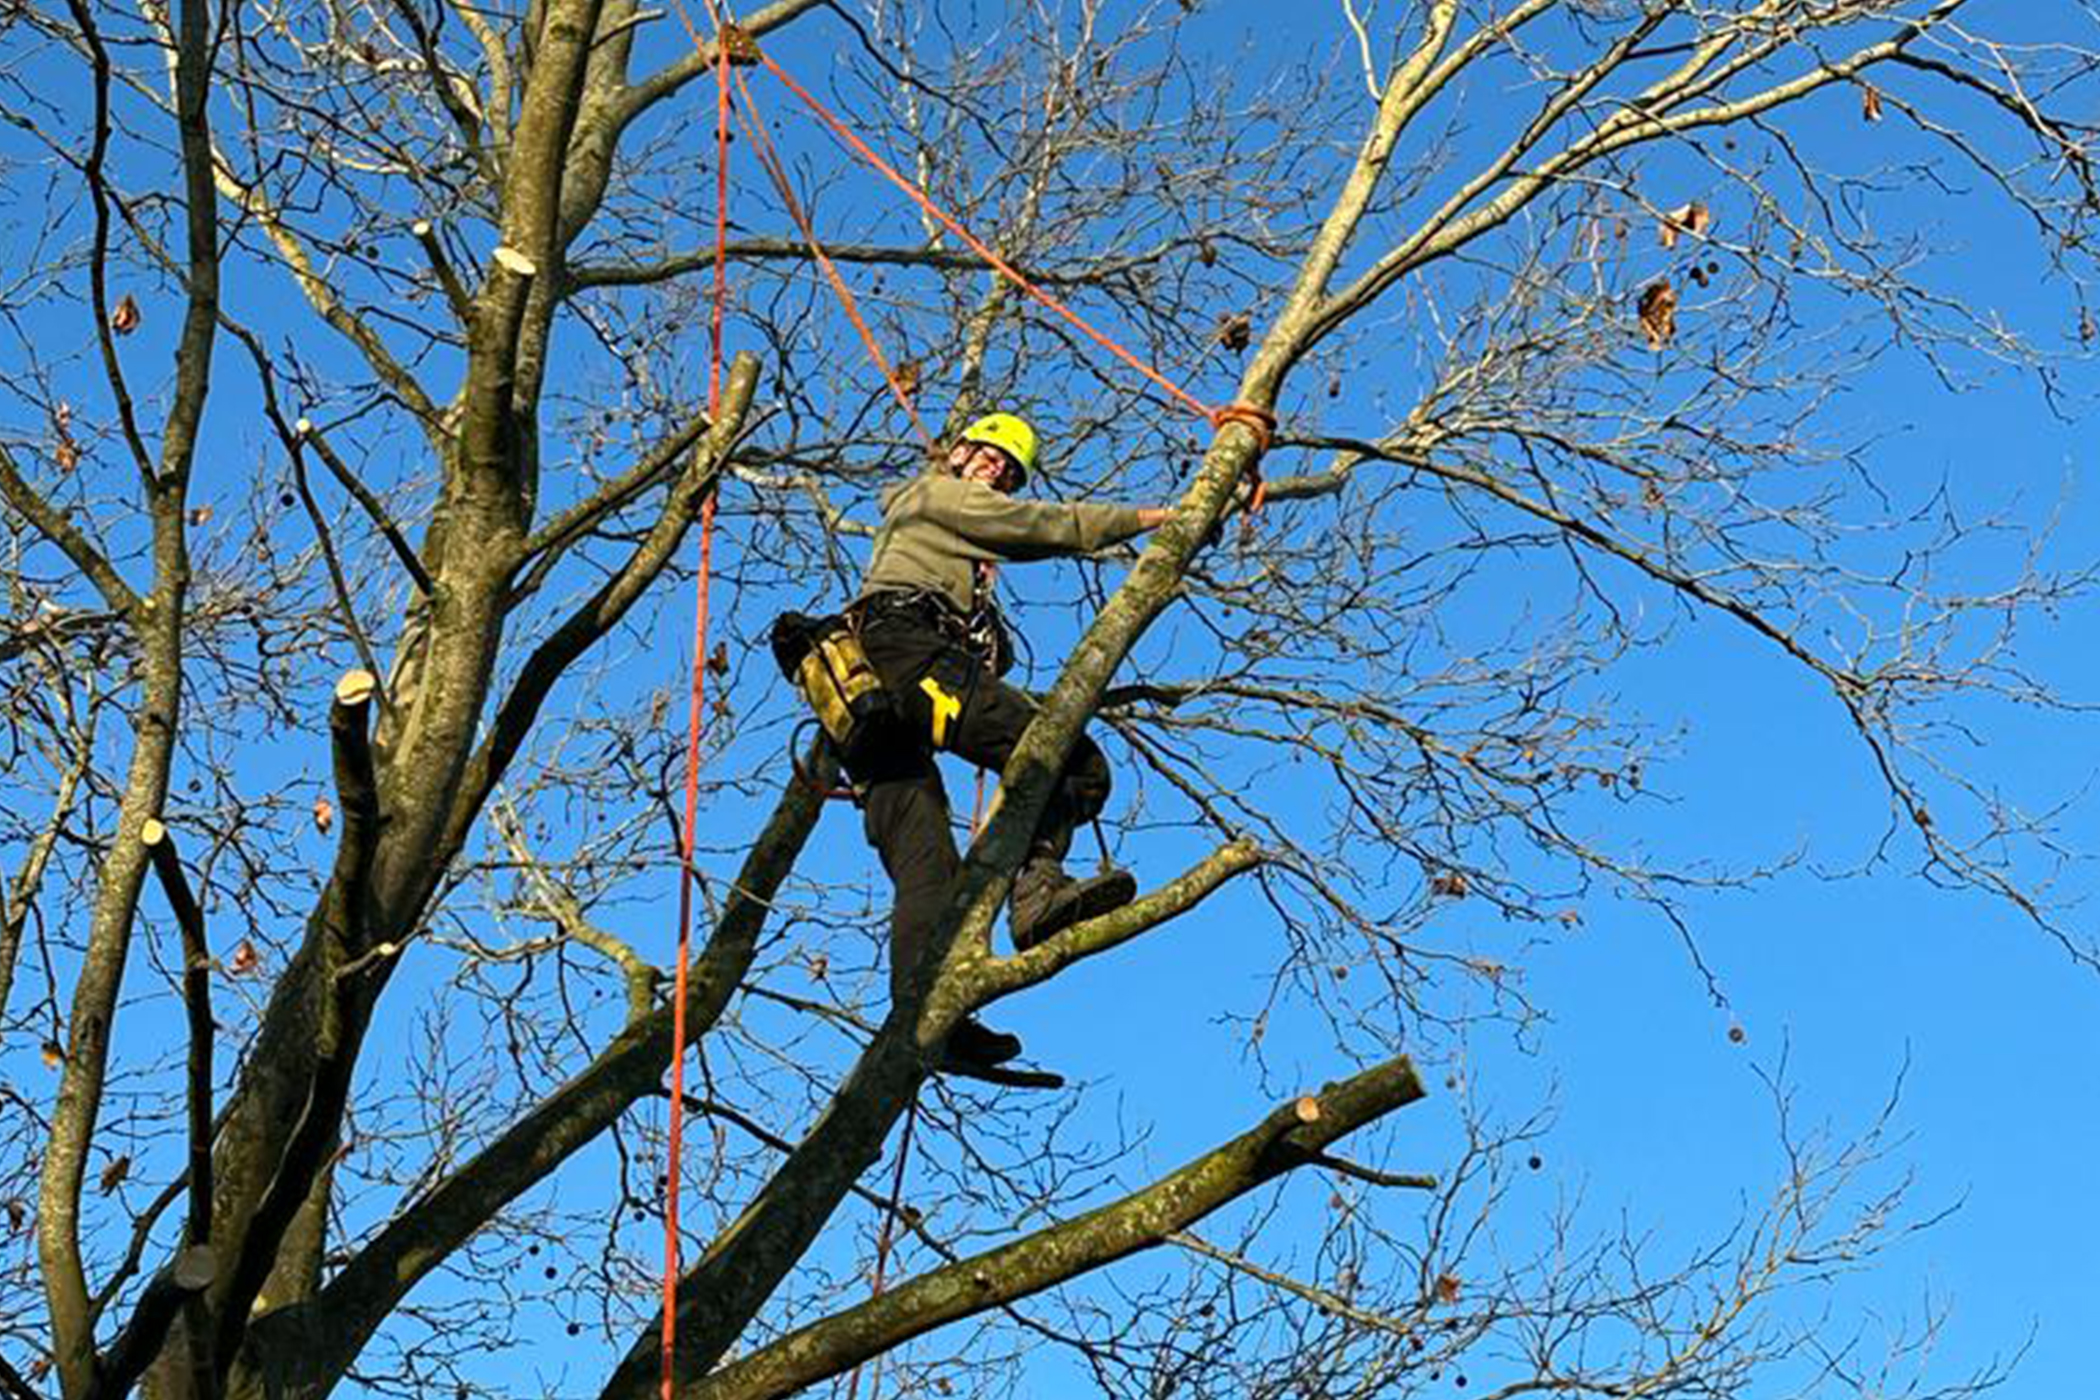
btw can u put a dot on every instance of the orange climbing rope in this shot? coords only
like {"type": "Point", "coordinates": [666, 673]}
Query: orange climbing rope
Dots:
{"type": "Point", "coordinates": [885, 1236]}
{"type": "Point", "coordinates": [769, 159]}
{"type": "Point", "coordinates": [1259, 422]}
{"type": "Point", "coordinates": [696, 714]}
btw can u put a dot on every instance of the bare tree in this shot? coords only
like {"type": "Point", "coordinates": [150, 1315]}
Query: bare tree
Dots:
{"type": "Point", "coordinates": [373, 1114]}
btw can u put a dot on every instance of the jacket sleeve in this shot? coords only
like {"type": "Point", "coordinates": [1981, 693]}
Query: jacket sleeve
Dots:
{"type": "Point", "coordinates": [1026, 529]}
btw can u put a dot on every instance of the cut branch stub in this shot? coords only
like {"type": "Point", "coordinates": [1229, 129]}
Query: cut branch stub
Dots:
{"type": "Point", "coordinates": [515, 262]}
{"type": "Point", "coordinates": [195, 1268]}
{"type": "Point", "coordinates": [356, 688]}
{"type": "Point", "coordinates": [739, 47]}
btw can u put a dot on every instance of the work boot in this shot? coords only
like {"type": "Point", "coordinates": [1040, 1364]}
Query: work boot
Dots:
{"type": "Point", "coordinates": [1047, 901]}
{"type": "Point", "coordinates": [973, 1045]}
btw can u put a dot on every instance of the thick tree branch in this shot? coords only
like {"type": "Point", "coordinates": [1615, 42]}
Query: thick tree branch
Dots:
{"type": "Point", "coordinates": [196, 1001]}
{"type": "Point", "coordinates": [743, 1266]}
{"type": "Point", "coordinates": [166, 1295]}
{"type": "Point", "coordinates": [1295, 1135]}
{"type": "Point", "coordinates": [1003, 976]}
{"type": "Point", "coordinates": [158, 623]}
{"type": "Point", "coordinates": [672, 76]}
{"type": "Point", "coordinates": [316, 1341]}
{"type": "Point", "coordinates": [13, 1383]}
{"type": "Point", "coordinates": [345, 940]}
{"type": "Point", "coordinates": [1096, 272]}
{"type": "Point", "coordinates": [1409, 91]}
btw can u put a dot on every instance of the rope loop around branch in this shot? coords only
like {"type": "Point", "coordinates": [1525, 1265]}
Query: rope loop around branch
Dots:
{"type": "Point", "coordinates": [1256, 420]}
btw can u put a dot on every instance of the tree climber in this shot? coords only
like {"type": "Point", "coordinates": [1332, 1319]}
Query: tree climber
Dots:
{"type": "Point", "coordinates": [932, 630]}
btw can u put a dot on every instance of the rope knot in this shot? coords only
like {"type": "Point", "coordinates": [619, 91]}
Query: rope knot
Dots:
{"type": "Point", "coordinates": [1262, 423]}
{"type": "Point", "coordinates": [738, 46]}
{"type": "Point", "coordinates": [1256, 420]}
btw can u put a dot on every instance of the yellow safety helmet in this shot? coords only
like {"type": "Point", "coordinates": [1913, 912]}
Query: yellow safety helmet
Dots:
{"type": "Point", "coordinates": [1010, 435]}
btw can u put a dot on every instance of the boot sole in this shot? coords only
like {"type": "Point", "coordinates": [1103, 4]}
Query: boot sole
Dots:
{"type": "Point", "coordinates": [1088, 899]}
{"type": "Point", "coordinates": [1003, 1048]}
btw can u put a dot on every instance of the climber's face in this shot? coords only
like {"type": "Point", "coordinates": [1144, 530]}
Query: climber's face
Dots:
{"type": "Point", "coordinates": [980, 461]}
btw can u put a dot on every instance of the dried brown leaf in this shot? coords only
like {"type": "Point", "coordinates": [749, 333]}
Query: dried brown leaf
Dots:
{"type": "Point", "coordinates": [1693, 218]}
{"type": "Point", "coordinates": [113, 1175]}
{"type": "Point", "coordinates": [1658, 312]}
{"type": "Point", "coordinates": [1236, 332]}
{"type": "Point", "coordinates": [126, 318]}
{"type": "Point", "coordinates": [244, 959]}
{"type": "Point", "coordinates": [1870, 102]}
{"type": "Point", "coordinates": [324, 815]}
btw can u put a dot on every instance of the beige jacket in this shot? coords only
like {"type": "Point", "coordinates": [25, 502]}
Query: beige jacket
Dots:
{"type": "Point", "coordinates": [937, 528]}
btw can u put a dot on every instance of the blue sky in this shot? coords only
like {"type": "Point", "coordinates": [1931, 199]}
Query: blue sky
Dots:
{"type": "Point", "coordinates": [1846, 987]}
{"type": "Point", "coordinates": [1657, 1117]}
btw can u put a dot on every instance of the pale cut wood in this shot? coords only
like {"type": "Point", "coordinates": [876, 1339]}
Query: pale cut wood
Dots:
{"type": "Point", "coordinates": [1307, 1109]}
{"type": "Point", "coordinates": [153, 832]}
{"type": "Point", "coordinates": [514, 261]}
{"type": "Point", "coordinates": [356, 687]}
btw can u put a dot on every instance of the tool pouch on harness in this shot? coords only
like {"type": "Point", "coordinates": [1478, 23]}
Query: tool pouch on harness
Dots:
{"type": "Point", "coordinates": [824, 659]}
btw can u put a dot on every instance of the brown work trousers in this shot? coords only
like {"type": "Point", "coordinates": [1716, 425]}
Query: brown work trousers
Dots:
{"type": "Point", "coordinates": [946, 698]}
